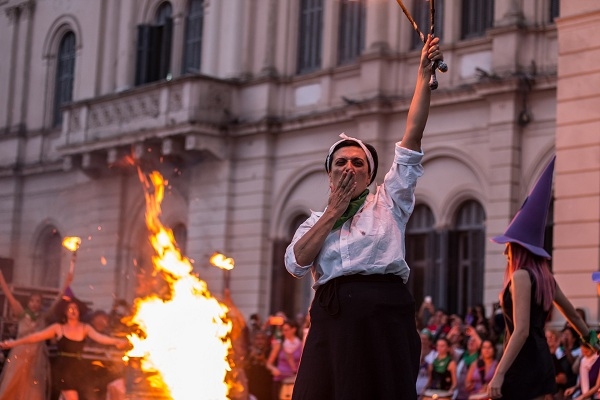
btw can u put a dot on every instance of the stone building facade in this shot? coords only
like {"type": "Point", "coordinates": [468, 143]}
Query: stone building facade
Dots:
{"type": "Point", "coordinates": [236, 103]}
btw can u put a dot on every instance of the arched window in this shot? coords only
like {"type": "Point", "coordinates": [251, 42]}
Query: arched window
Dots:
{"type": "Point", "coordinates": [193, 36]}
{"type": "Point", "coordinates": [310, 35]}
{"type": "Point", "coordinates": [288, 294]}
{"type": "Point", "coordinates": [351, 39]}
{"type": "Point", "coordinates": [420, 239]}
{"type": "Point", "coordinates": [180, 233]}
{"type": "Point", "coordinates": [466, 257]}
{"type": "Point", "coordinates": [154, 47]}
{"type": "Point", "coordinates": [47, 258]}
{"type": "Point", "coordinates": [65, 75]}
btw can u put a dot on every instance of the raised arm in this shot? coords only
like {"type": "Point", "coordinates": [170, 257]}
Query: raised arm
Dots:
{"type": "Point", "coordinates": [15, 305]}
{"type": "Point", "coordinates": [66, 284]}
{"type": "Point", "coordinates": [419, 106]}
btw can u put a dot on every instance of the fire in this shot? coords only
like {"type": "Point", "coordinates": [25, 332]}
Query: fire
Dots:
{"type": "Point", "coordinates": [221, 261]}
{"type": "Point", "coordinates": [185, 333]}
{"type": "Point", "coordinates": [71, 243]}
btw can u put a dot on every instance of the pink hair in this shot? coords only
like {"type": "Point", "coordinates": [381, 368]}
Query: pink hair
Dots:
{"type": "Point", "coordinates": [521, 258]}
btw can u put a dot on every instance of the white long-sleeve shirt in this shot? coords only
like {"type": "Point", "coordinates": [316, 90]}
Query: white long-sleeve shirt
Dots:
{"type": "Point", "coordinates": [371, 242]}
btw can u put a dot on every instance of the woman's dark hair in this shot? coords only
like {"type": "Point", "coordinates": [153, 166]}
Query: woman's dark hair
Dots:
{"type": "Point", "coordinates": [63, 305]}
{"type": "Point", "coordinates": [348, 143]}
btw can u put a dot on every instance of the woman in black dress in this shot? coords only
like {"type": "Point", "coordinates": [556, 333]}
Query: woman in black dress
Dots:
{"type": "Point", "coordinates": [526, 370]}
{"type": "Point", "coordinates": [70, 336]}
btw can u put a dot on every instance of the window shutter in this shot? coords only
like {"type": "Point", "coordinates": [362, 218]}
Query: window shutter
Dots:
{"type": "Point", "coordinates": [143, 54]}
{"type": "Point", "coordinates": [165, 49]}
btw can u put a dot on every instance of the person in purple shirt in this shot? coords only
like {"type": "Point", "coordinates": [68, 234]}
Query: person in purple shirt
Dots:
{"type": "Point", "coordinates": [285, 357]}
{"type": "Point", "coordinates": [363, 342]}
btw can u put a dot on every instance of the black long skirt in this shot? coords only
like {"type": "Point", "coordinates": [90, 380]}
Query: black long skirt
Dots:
{"type": "Point", "coordinates": [363, 342]}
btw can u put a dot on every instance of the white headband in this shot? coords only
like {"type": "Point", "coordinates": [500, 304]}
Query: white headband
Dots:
{"type": "Point", "coordinates": [362, 146]}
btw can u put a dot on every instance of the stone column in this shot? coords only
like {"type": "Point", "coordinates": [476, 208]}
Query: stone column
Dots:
{"type": "Point", "coordinates": [376, 29]}
{"type": "Point", "coordinates": [577, 171]}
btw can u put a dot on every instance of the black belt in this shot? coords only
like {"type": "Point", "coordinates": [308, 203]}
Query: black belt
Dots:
{"type": "Point", "coordinates": [66, 354]}
{"type": "Point", "coordinates": [327, 294]}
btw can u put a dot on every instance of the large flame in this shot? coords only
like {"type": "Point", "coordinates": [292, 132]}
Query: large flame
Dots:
{"type": "Point", "coordinates": [184, 336]}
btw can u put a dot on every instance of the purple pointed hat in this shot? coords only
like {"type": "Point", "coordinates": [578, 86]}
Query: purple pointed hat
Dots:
{"type": "Point", "coordinates": [528, 225]}
{"type": "Point", "coordinates": [68, 294]}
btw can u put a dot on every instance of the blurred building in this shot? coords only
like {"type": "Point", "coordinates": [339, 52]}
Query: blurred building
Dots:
{"type": "Point", "coordinates": [236, 103]}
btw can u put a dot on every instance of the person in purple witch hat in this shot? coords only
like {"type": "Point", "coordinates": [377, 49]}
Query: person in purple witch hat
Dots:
{"type": "Point", "coordinates": [526, 371]}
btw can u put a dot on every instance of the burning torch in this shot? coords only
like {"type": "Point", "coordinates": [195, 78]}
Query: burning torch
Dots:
{"type": "Point", "coordinates": [72, 243]}
{"type": "Point", "coordinates": [226, 264]}
{"type": "Point", "coordinates": [441, 65]}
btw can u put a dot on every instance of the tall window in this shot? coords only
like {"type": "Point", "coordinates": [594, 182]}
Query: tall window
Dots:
{"type": "Point", "coordinates": [47, 258]}
{"type": "Point", "coordinates": [180, 233]}
{"type": "Point", "coordinates": [154, 47]}
{"type": "Point", "coordinates": [193, 36]}
{"type": "Point", "coordinates": [477, 17]}
{"type": "Point", "coordinates": [65, 75]}
{"type": "Point", "coordinates": [422, 17]}
{"type": "Point", "coordinates": [288, 294]}
{"type": "Point", "coordinates": [554, 9]}
{"type": "Point", "coordinates": [466, 258]}
{"type": "Point", "coordinates": [310, 35]}
{"type": "Point", "coordinates": [419, 252]}
{"type": "Point", "coordinates": [351, 41]}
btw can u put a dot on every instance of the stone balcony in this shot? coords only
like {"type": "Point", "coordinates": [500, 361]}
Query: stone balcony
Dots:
{"type": "Point", "coordinates": [184, 118]}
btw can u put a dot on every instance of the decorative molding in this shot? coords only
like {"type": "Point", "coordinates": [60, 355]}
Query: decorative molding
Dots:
{"type": "Point", "coordinates": [12, 13]}
{"type": "Point", "coordinates": [27, 9]}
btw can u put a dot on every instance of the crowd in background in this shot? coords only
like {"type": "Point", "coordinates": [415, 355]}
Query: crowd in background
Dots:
{"type": "Point", "coordinates": [459, 354]}
{"type": "Point", "coordinates": [31, 371]}
{"type": "Point", "coordinates": [274, 352]}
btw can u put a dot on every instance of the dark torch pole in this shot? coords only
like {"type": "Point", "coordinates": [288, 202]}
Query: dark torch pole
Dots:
{"type": "Point", "coordinates": [433, 82]}
{"type": "Point", "coordinates": [441, 65]}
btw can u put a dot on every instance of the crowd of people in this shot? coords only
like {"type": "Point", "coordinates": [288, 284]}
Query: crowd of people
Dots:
{"type": "Point", "coordinates": [460, 355]}
{"type": "Point", "coordinates": [45, 357]}
{"type": "Point", "coordinates": [274, 353]}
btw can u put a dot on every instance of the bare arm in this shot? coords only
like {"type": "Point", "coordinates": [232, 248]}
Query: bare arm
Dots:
{"type": "Point", "coordinates": [15, 305]}
{"type": "Point", "coordinates": [469, 378]}
{"type": "Point", "coordinates": [593, 390]}
{"type": "Point", "coordinates": [521, 295]}
{"type": "Point", "coordinates": [452, 369]}
{"type": "Point", "coordinates": [566, 308]}
{"type": "Point", "coordinates": [419, 106]}
{"type": "Point", "coordinates": [66, 284]}
{"type": "Point", "coordinates": [104, 339]}
{"type": "Point", "coordinates": [308, 246]}
{"type": "Point", "coordinates": [45, 334]}
{"type": "Point", "coordinates": [272, 356]}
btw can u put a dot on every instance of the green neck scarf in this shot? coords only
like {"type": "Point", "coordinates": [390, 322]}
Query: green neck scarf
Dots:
{"type": "Point", "coordinates": [469, 358]}
{"type": "Point", "coordinates": [351, 210]}
{"type": "Point", "coordinates": [31, 314]}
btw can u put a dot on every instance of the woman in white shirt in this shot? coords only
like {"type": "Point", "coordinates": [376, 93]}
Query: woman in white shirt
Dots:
{"type": "Point", "coordinates": [363, 342]}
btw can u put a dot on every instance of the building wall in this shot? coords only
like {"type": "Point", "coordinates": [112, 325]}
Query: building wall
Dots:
{"type": "Point", "coordinates": [577, 180]}
{"type": "Point", "coordinates": [244, 142]}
